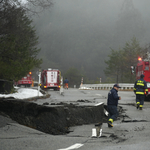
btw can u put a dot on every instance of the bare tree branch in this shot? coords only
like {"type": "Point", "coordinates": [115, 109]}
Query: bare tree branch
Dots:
{"type": "Point", "coordinates": [31, 6]}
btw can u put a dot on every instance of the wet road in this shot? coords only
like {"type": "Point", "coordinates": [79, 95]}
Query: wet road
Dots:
{"type": "Point", "coordinates": [130, 131]}
{"type": "Point", "coordinates": [73, 95]}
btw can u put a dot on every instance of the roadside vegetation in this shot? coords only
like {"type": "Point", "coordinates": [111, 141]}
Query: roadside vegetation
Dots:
{"type": "Point", "coordinates": [20, 47]}
{"type": "Point", "coordinates": [120, 61]}
{"type": "Point", "coordinates": [18, 39]}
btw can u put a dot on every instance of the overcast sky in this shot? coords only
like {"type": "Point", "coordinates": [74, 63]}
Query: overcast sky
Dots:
{"type": "Point", "coordinates": [89, 29]}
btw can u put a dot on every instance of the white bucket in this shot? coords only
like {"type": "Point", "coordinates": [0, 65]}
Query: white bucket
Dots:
{"type": "Point", "coordinates": [100, 133]}
{"type": "Point", "coordinates": [94, 134]}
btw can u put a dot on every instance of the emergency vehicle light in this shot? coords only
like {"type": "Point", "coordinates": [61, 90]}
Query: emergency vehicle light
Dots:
{"type": "Point", "coordinates": [139, 59]}
{"type": "Point", "coordinates": [146, 63]}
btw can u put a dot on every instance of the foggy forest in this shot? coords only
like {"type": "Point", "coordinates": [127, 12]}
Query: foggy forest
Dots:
{"type": "Point", "coordinates": [80, 34]}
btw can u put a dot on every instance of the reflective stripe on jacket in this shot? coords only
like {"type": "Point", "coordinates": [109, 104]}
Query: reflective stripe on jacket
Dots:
{"type": "Point", "coordinates": [140, 87]}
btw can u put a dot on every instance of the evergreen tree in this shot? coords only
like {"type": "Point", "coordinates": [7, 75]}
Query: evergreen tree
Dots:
{"type": "Point", "coordinates": [74, 76]}
{"type": "Point", "coordinates": [114, 68]}
{"type": "Point", "coordinates": [119, 62]}
{"type": "Point", "coordinates": [18, 42]}
{"type": "Point", "coordinates": [131, 51]}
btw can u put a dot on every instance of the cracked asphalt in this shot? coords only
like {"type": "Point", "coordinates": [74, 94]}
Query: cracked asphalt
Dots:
{"type": "Point", "coordinates": [131, 130]}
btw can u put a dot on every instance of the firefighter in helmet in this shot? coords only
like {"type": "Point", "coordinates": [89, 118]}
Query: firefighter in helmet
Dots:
{"type": "Point", "coordinates": [140, 87]}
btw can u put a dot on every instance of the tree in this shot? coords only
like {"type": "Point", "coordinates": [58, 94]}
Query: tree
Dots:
{"type": "Point", "coordinates": [32, 6]}
{"type": "Point", "coordinates": [130, 22]}
{"type": "Point", "coordinates": [120, 61]}
{"type": "Point", "coordinates": [131, 51]}
{"type": "Point", "coordinates": [74, 76]}
{"type": "Point", "coordinates": [114, 65]}
{"type": "Point", "coordinates": [18, 42]}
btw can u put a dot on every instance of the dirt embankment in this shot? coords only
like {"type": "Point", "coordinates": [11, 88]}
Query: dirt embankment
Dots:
{"type": "Point", "coordinates": [51, 119]}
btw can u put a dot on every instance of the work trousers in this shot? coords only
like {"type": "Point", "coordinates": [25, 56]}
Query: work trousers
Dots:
{"type": "Point", "coordinates": [113, 112]}
{"type": "Point", "coordinates": [140, 99]}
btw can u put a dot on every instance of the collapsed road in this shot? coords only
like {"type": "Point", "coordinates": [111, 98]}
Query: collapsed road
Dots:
{"type": "Point", "coordinates": [69, 119]}
{"type": "Point", "coordinates": [51, 119]}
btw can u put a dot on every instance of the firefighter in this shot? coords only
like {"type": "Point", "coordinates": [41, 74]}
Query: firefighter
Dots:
{"type": "Point", "coordinates": [112, 103]}
{"type": "Point", "coordinates": [140, 87]}
{"type": "Point", "coordinates": [66, 81]}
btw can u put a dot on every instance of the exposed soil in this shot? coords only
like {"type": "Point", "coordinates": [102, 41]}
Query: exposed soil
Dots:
{"type": "Point", "coordinates": [51, 119]}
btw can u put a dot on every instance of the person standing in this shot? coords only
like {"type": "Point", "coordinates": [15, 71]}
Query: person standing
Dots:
{"type": "Point", "coordinates": [112, 103]}
{"type": "Point", "coordinates": [66, 81]}
{"type": "Point", "coordinates": [140, 87]}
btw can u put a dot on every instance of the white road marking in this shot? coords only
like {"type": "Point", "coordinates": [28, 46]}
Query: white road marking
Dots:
{"type": "Point", "coordinates": [75, 146]}
{"type": "Point", "coordinates": [99, 104]}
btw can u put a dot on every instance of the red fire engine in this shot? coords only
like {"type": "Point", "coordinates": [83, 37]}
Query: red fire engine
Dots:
{"type": "Point", "coordinates": [51, 79]}
{"type": "Point", "coordinates": [143, 67]}
{"type": "Point", "coordinates": [25, 81]}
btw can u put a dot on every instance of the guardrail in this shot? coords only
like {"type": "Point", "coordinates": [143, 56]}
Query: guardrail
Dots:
{"type": "Point", "coordinates": [124, 86]}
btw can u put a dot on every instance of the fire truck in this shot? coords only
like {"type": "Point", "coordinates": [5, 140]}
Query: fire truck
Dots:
{"type": "Point", "coordinates": [143, 67]}
{"type": "Point", "coordinates": [51, 79]}
{"type": "Point", "coordinates": [25, 81]}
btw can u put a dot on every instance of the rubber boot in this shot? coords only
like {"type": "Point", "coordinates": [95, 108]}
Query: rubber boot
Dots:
{"type": "Point", "coordinates": [137, 105]}
{"type": "Point", "coordinates": [141, 107]}
{"type": "Point", "coordinates": [110, 121]}
{"type": "Point", "coordinates": [110, 125]}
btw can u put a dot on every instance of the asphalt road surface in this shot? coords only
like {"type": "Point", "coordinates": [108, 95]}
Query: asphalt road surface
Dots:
{"type": "Point", "coordinates": [130, 131]}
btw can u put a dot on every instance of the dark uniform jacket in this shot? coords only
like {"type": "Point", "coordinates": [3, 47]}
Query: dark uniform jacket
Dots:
{"type": "Point", "coordinates": [140, 87]}
{"type": "Point", "coordinates": [113, 97]}
{"type": "Point", "coordinates": [66, 81]}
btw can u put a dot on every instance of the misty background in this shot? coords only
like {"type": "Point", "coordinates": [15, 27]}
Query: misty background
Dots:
{"type": "Point", "coordinates": [80, 33]}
